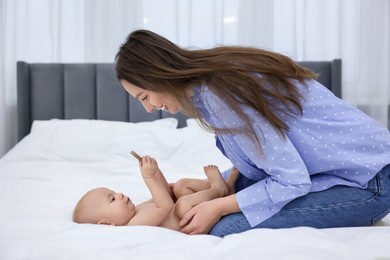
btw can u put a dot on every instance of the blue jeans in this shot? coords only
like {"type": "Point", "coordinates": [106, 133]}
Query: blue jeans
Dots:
{"type": "Point", "coordinates": [339, 206]}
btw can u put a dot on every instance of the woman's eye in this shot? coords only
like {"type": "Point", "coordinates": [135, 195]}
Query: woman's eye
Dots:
{"type": "Point", "coordinates": [145, 98]}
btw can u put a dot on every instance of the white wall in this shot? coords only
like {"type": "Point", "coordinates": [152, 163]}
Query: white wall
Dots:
{"type": "Point", "coordinates": [357, 31]}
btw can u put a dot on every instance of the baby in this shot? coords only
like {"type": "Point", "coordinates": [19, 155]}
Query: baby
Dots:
{"type": "Point", "coordinates": [167, 206]}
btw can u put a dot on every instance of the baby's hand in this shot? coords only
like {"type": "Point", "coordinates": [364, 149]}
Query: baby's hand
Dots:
{"type": "Point", "coordinates": [148, 167]}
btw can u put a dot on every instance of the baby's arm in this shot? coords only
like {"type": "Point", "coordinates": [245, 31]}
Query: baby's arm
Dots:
{"type": "Point", "coordinates": [153, 214]}
{"type": "Point", "coordinates": [160, 176]}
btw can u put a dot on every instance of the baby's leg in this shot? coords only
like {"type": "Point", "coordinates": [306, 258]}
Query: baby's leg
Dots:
{"type": "Point", "coordinates": [188, 186]}
{"type": "Point", "coordinates": [217, 188]}
{"type": "Point", "coordinates": [231, 180]}
{"type": "Point", "coordinates": [216, 180]}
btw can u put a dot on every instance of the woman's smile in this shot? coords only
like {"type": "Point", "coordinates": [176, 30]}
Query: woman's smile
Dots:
{"type": "Point", "coordinates": [153, 100]}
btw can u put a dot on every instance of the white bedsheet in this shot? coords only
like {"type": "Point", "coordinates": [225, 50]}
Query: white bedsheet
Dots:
{"type": "Point", "coordinates": [43, 176]}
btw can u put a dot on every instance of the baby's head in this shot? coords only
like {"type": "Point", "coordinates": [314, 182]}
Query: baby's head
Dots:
{"type": "Point", "coordinates": [104, 206]}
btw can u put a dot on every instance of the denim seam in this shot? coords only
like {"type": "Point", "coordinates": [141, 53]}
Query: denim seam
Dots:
{"type": "Point", "coordinates": [376, 194]}
{"type": "Point", "coordinates": [379, 183]}
{"type": "Point", "coordinates": [227, 230]}
{"type": "Point", "coordinates": [335, 205]}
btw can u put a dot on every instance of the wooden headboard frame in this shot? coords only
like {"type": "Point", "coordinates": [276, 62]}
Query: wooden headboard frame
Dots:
{"type": "Point", "coordinates": [91, 91]}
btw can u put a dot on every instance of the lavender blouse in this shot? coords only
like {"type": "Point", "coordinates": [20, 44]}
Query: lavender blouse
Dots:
{"type": "Point", "coordinates": [331, 143]}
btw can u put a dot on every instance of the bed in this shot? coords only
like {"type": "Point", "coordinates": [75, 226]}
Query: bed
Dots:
{"type": "Point", "coordinates": [76, 129]}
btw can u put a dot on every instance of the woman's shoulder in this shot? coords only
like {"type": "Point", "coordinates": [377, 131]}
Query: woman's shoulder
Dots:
{"type": "Point", "coordinates": [206, 98]}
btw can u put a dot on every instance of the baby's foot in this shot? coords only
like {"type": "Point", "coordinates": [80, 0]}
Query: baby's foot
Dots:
{"type": "Point", "coordinates": [216, 180]}
{"type": "Point", "coordinates": [231, 180]}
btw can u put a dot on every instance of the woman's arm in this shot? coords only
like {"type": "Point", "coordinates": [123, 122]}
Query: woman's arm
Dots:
{"type": "Point", "coordinates": [201, 218]}
{"type": "Point", "coordinates": [279, 169]}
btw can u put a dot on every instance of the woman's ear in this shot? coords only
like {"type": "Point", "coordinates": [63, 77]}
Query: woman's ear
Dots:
{"type": "Point", "coordinates": [105, 222]}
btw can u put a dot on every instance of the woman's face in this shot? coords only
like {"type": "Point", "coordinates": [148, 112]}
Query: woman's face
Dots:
{"type": "Point", "coordinates": [152, 100]}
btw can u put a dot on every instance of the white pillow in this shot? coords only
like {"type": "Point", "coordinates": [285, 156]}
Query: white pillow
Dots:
{"type": "Point", "coordinates": [95, 142]}
{"type": "Point", "coordinates": [169, 122]}
{"type": "Point", "coordinates": [92, 140]}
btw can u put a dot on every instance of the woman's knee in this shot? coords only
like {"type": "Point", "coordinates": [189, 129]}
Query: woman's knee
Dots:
{"type": "Point", "coordinates": [230, 224]}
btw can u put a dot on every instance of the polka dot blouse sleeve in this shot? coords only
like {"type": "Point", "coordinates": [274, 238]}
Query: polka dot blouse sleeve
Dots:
{"type": "Point", "coordinates": [279, 170]}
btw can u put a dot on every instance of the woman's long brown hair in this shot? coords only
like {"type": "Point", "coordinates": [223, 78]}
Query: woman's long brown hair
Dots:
{"type": "Point", "coordinates": [152, 62]}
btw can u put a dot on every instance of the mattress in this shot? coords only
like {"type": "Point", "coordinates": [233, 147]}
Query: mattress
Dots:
{"type": "Point", "coordinates": [46, 173]}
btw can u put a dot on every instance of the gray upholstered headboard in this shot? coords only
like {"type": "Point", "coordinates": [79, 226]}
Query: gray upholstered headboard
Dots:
{"type": "Point", "coordinates": [91, 91]}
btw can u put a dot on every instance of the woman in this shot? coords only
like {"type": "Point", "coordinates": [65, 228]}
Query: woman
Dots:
{"type": "Point", "coordinates": [306, 158]}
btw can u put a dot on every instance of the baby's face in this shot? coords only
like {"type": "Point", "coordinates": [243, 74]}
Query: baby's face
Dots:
{"type": "Point", "coordinates": [114, 208]}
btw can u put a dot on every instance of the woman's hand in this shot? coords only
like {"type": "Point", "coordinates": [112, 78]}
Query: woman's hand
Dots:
{"type": "Point", "coordinates": [201, 218]}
